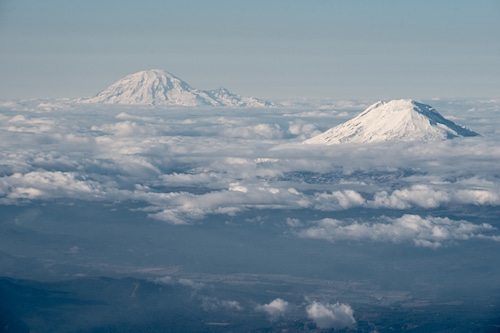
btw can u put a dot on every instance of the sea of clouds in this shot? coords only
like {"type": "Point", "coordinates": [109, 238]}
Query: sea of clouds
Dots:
{"type": "Point", "coordinates": [183, 164]}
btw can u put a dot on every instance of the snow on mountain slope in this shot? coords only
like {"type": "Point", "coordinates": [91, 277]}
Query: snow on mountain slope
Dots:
{"type": "Point", "coordinates": [397, 120]}
{"type": "Point", "coordinates": [227, 98]}
{"type": "Point", "coordinates": [159, 87]}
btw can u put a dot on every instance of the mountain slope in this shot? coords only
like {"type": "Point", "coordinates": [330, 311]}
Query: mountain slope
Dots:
{"type": "Point", "coordinates": [397, 120]}
{"type": "Point", "coordinates": [227, 98]}
{"type": "Point", "coordinates": [159, 87]}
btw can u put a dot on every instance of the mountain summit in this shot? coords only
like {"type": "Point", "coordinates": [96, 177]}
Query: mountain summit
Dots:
{"type": "Point", "coordinates": [159, 87]}
{"type": "Point", "coordinates": [396, 120]}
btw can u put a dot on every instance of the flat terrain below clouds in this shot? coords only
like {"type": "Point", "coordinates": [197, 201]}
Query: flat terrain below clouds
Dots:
{"type": "Point", "coordinates": [223, 219]}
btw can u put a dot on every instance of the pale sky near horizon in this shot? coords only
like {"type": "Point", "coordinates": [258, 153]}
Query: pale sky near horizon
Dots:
{"type": "Point", "coordinates": [270, 49]}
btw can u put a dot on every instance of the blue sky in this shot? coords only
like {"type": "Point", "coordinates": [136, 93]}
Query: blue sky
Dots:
{"type": "Point", "coordinates": [271, 49]}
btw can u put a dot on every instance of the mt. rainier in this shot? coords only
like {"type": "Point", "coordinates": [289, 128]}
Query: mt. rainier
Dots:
{"type": "Point", "coordinates": [397, 120]}
{"type": "Point", "coordinates": [159, 87]}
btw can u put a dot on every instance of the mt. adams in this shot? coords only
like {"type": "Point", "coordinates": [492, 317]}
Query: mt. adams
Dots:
{"type": "Point", "coordinates": [158, 87]}
{"type": "Point", "coordinates": [397, 120]}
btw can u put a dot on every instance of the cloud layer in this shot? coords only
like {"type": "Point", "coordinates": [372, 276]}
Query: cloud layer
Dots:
{"type": "Point", "coordinates": [183, 165]}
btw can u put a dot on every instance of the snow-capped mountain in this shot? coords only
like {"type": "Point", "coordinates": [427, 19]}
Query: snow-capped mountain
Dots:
{"type": "Point", "coordinates": [397, 120]}
{"type": "Point", "coordinates": [159, 87]}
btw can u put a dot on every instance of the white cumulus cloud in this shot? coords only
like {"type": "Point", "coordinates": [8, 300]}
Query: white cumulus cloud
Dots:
{"type": "Point", "coordinates": [430, 232]}
{"type": "Point", "coordinates": [48, 185]}
{"type": "Point", "coordinates": [275, 308]}
{"type": "Point", "coordinates": [342, 199]}
{"type": "Point", "coordinates": [326, 315]}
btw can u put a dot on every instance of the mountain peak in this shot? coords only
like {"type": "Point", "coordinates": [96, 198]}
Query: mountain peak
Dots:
{"type": "Point", "coordinates": [152, 74]}
{"type": "Point", "coordinates": [159, 87]}
{"type": "Point", "coordinates": [396, 120]}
